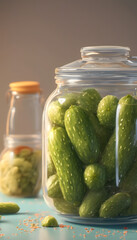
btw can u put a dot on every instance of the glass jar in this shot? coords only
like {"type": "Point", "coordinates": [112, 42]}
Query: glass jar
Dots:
{"type": "Point", "coordinates": [90, 138]}
{"type": "Point", "coordinates": [20, 161]}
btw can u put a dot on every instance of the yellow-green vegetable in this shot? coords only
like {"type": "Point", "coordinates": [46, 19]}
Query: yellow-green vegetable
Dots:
{"type": "Point", "coordinates": [20, 172]}
{"type": "Point", "coordinates": [8, 207]}
{"type": "Point", "coordinates": [49, 221]}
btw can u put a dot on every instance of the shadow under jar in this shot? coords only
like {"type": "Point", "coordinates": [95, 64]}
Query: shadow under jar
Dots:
{"type": "Point", "coordinates": [89, 138]}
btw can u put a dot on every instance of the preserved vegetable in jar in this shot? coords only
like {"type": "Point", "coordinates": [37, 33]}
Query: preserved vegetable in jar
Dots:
{"type": "Point", "coordinates": [90, 138]}
{"type": "Point", "coordinates": [20, 161]}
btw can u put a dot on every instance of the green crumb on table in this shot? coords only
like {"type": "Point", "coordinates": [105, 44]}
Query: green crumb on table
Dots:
{"type": "Point", "coordinates": [49, 221]}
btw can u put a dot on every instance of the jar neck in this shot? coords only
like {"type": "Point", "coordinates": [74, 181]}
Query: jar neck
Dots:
{"type": "Point", "coordinates": [12, 141]}
{"type": "Point", "coordinates": [24, 115]}
{"type": "Point", "coordinates": [105, 53]}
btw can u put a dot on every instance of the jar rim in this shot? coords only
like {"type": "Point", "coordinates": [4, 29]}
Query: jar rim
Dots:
{"type": "Point", "coordinates": [25, 87]}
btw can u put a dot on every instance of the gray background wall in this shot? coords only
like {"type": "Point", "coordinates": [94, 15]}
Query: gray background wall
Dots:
{"type": "Point", "coordinates": [38, 35]}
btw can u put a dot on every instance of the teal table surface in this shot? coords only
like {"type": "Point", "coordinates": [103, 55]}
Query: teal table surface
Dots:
{"type": "Point", "coordinates": [26, 225]}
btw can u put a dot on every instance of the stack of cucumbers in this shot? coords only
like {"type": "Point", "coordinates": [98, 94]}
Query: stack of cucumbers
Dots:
{"type": "Point", "coordinates": [83, 164]}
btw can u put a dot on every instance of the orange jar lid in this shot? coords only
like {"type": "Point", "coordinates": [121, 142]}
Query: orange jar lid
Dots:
{"type": "Point", "coordinates": [25, 87]}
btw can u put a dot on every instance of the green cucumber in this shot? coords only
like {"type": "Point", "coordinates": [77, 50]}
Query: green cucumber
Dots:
{"type": "Point", "coordinates": [89, 100]}
{"type": "Point", "coordinates": [8, 207]}
{"type": "Point", "coordinates": [113, 206]}
{"type": "Point", "coordinates": [103, 134]}
{"type": "Point", "coordinates": [56, 113]}
{"type": "Point", "coordinates": [65, 207]}
{"type": "Point", "coordinates": [82, 134]}
{"type": "Point", "coordinates": [106, 111]}
{"type": "Point", "coordinates": [129, 182]}
{"type": "Point", "coordinates": [95, 176]}
{"type": "Point", "coordinates": [68, 166]}
{"type": "Point", "coordinates": [126, 140]}
{"type": "Point", "coordinates": [132, 210]}
{"type": "Point", "coordinates": [53, 187]}
{"type": "Point", "coordinates": [56, 109]}
{"type": "Point", "coordinates": [91, 203]}
{"type": "Point", "coordinates": [127, 134]}
{"type": "Point", "coordinates": [50, 167]}
{"type": "Point", "coordinates": [108, 158]}
{"type": "Point", "coordinates": [68, 99]}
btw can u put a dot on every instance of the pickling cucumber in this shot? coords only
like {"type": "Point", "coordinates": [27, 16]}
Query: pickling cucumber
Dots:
{"type": "Point", "coordinates": [126, 140]}
{"type": "Point", "coordinates": [56, 109]}
{"type": "Point", "coordinates": [103, 134]}
{"type": "Point", "coordinates": [127, 134]}
{"type": "Point", "coordinates": [89, 100]}
{"type": "Point", "coordinates": [65, 207]}
{"type": "Point", "coordinates": [108, 158]}
{"type": "Point", "coordinates": [129, 182]}
{"type": "Point", "coordinates": [106, 111]}
{"type": "Point", "coordinates": [68, 99]}
{"type": "Point", "coordinates": [91, 203]}
{"type": "Point", "coordinates": [95, 176]}
{"type": "Point", "coordinates": [53, 187]}
{"type": "Point", "coordinates": [114, 205]}
{"type": "Point", "coordinates": [50, 167]}
{"type": "Point", "coordinates": [68, 166]}
{"type": "Point", "coordinates": [56, 113]}
{"type": "Point", "coordinates": [132, 210]}
{"type": "Point", "coordinates": [82, 134]}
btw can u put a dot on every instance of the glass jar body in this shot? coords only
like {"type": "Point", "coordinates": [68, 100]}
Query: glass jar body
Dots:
{"type": "Point", "coordinates": [20, 161]}
{"type": "Point", "coordinates": [66, 143]}
{"type": "Point", "coordinates": [89, 143]}
{"type": "Point", "coordinates": [24, 115]}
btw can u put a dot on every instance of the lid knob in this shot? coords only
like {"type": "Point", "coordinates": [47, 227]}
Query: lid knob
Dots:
{"type": "Point", "coordinates": [103, 52]}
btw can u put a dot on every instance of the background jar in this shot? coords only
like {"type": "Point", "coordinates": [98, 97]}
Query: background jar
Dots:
{"type": "Point", "coordinates": [20, 164]}
{"type": "Point", "coordinates": [89, 137]}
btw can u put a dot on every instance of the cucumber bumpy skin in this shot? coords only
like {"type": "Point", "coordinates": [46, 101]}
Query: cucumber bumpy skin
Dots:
{"type": "Point", "coordinates": [108, 158]}
{"type": "Point", "coordinates": [56, 109]}
{"type": "Point", "coordinates": [53, 187]}
{"type": "Point", "coordinates": [89, 100]}
{"type": "Point", "coordinates": [129, 182]}
{"type": "Point", "coordinates": [82, 134]}
{"type": "Point", "coordinates": [106, 111]}
{"type": "Point", "coordinates": [50, 167]}
{"type": "Point", "coordinates": [92, 203]}
{"type": "Point", "coordinates": [9, 207]}
{"type": "Point", "coordinates": [56, 113]}
{"type": "Point", "coordinates": [126, 140]}
{"type": "Point", "coordinates": [103, 134]}
{"type": "Point", "coordinates": [95, 176]}
{"type": "Point", "coordinates": [68, 166]}
{"type": "Point", "coordinates": [68, 99]}
{"type": "Point", "coordinates": [65, 207]}
{"type": "Point", "coordinates": [132, 210]}
{"type": "Point", "coordinates": [113, 206]}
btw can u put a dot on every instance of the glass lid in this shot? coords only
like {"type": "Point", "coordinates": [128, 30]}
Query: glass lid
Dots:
{"type": "Point", "coordinates": [100, 58]}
